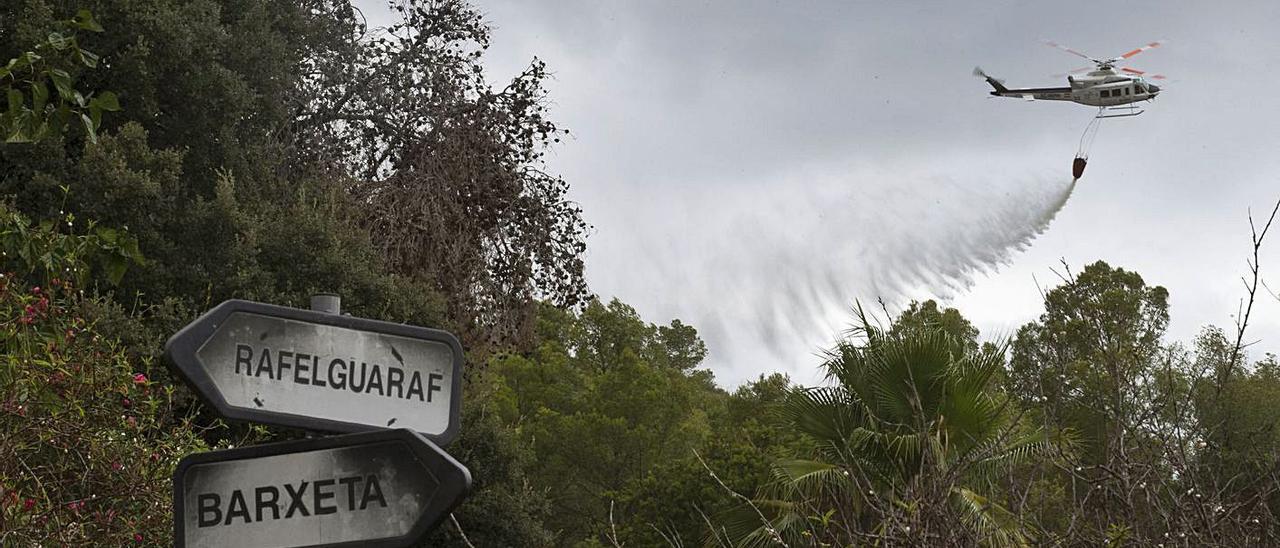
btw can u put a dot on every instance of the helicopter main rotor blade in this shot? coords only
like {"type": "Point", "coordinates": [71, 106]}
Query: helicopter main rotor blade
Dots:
{"type": "Point", "coordinates": [1053, 44]}
{"type": "Point", "coordinates": [1143, 73]}
{"type": "Point", "coordinates": [1073, 71]}
{"type": "Point", "coordinates": [1155, 44]}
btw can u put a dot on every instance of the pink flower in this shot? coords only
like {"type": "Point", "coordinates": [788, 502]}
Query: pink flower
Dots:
{"type": "Point", "coordinates": [137, 537]}
{"type": "Point", "coordinates": [28, 504]}
{"type": "Point", "coordinates": [139, 379]}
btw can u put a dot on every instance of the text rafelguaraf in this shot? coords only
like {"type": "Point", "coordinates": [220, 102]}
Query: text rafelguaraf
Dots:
{"type": "Point", "coordinates": [336, 373]}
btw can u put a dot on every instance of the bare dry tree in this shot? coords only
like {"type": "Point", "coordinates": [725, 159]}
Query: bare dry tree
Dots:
{"type": "Point", "coordinates": [1168, 476]}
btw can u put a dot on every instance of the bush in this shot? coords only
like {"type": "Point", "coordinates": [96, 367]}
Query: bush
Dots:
{"type": "Point", "coordinates": [87, 442]}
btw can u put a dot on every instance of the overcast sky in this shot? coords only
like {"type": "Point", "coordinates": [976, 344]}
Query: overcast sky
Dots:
{"type": "Point", "coordinates": [753, 168]}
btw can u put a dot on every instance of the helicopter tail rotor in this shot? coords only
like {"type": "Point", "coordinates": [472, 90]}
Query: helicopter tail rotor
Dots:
{"type": "Point", "coordinates": [977, 71]}
{"type": "Point", "coordinates": [995, 83]}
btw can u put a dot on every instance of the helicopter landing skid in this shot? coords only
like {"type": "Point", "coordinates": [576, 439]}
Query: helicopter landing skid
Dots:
{"type": "Point", "coordinates": [1119, 112]}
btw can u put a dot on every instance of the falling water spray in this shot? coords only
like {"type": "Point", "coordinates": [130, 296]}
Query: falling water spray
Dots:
{"type": "Point", "coordinates": [769, 276]}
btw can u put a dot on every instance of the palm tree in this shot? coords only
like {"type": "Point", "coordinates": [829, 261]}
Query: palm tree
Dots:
{"type": "Point", "coordinates": [906, 437]}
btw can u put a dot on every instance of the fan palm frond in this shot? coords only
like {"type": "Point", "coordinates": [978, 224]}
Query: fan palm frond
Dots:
{"type": "Point", "coordinates": [995, 524]}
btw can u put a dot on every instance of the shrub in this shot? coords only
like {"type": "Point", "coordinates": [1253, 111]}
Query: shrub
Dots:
{"type": "Point", "coordinates": [87, 441]}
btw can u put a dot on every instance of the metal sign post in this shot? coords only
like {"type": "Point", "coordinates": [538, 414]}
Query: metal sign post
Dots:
{"type": "Point", "coordinates": [377, 489]}
{"type": "Point", "coordinates": [320, 371]}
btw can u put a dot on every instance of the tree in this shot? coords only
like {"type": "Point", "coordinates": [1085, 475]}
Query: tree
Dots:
{"type": "Point", "coordinates": [677, 501]}
{"type": "Point", "coordinates": [1081, 363]}
{"type": "Point", "coordinates": [1089, 364]}
{"type": "Point", "coordinates": [222, 164]}
{"type": "Point", "coordinates": [42, 75]}
{"type": "Point", "coordinates": [463, 178]}
{"type": "Point", "coordinates": [927, 316]}
{"type": "Point", "coordinates": [906, 444]}
{"type": "Point", "coordinates": [228, 155]}
{"type": "Point", "coordinates": [447, 169]}
{"type": "Point", "coordinates": [612, 409]}
{"type": "Point", "coordinates": [1155, 464]}
{"type": "Point", "coordinates": [86, 441]}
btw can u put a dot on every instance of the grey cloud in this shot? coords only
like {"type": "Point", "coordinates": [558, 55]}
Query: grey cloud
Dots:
{"type": "Point", "coordinates": [751, 137]}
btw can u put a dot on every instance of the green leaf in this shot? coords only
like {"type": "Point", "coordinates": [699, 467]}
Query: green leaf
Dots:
{"type": "Point", "coordinates": [86, 57]}
{"type": "Point", "coordinates": [84, 19]}
{"type": "Point", "coordinates": [107, 234]}
{"type": "Point", "coordinates": [116, 266]}
{"type": "Point", "coordinates": [16, 135]}
{"type": "Point", "coordinates": [17, 63]}
{"type": "Point", "coordinates": [59, 119]}
{"type": "Point", "coordinates": [62, 81]}
{"type": "Point", "coordinates": [89, 127]}
{"type": "Point", "coordinates": [58, 41]}
{"type": "Point", "coordinates": [16, 101]}
{"type": "Point", "coordinates": [39, 96]}
{"type": "Point", "coordinates": [130, 249]}
{"type": "Point", "coordinates": [106, 101]}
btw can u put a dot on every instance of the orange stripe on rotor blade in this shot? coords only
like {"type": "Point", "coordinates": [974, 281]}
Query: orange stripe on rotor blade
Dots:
{"type": "Point", "coordinates": [1140, 50]}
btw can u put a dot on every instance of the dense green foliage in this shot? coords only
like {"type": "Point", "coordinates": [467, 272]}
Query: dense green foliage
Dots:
{"type": "Point", "coordinates": [214, 180]}
{"type": "Point", "coordinates": [614, 410]}
{"type": "Point", "coordinates": [153, 165]}
{"type": "Point", "coordinates": [906, 444]}
{"type": "Point", "coordinates": [40, 94]}
{"type": "Point", "coordinates": [88, 439]}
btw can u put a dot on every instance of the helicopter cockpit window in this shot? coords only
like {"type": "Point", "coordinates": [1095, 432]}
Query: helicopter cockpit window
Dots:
{"type": "Point", "coordinates": [1106, 93]}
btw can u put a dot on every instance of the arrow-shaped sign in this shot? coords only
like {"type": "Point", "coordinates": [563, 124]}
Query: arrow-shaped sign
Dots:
{"type": "Point", "coordinates": [306, 369]}
{"type": "Point", "coordinates": [376, 489]}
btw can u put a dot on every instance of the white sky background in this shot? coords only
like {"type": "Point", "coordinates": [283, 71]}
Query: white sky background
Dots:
{"type": "Point", "coordinates": [753, 167]}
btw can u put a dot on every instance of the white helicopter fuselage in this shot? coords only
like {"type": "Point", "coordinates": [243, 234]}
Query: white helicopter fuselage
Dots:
{"type": "Point", "coordinates": [1116, 95]}
{"type": "Point", "coordinates": [1100, 88]}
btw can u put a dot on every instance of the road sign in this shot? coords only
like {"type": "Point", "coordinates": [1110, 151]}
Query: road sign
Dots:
{"type": "Point", "coordinates": [377, 489]}
{"type": "Point", "coordinates": [306, 369]}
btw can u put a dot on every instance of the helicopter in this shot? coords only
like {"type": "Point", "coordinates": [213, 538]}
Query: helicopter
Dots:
{"type": "Point", "coordinates": [1115, 94]}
